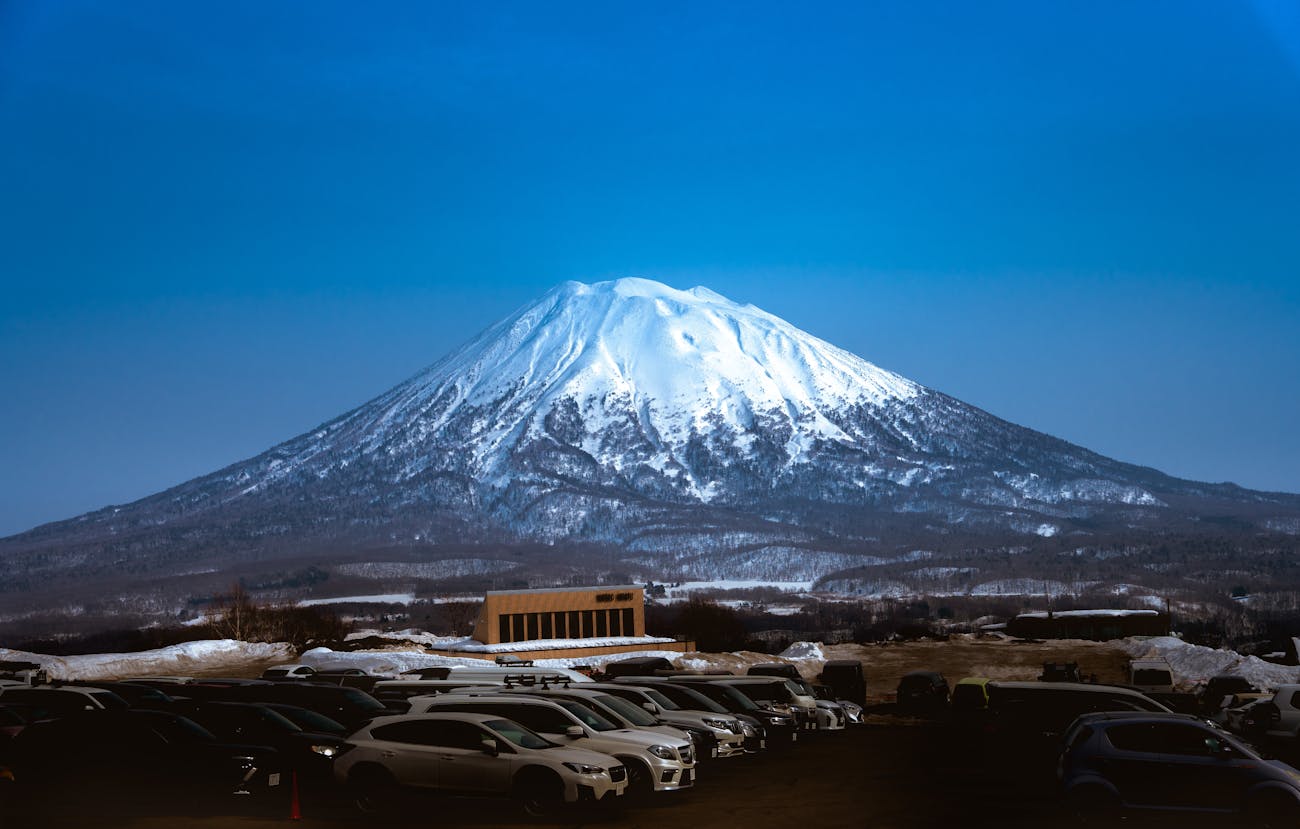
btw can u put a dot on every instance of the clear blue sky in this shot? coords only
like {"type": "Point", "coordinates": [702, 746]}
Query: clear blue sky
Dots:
{"type": "Point", "coordinates": [224, 223]}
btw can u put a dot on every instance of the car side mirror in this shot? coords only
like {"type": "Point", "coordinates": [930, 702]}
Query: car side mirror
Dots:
{"type": "Point", "coordinates": [650, 706]}
{"type": "Point", "coordinates": [489, 746]}
{"type": "Point", "coordinates": [574, 732]}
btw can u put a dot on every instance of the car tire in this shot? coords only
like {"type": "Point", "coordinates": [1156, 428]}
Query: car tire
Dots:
{"type": "Point", "coordinates": [1273, 810]}
{"type": "Point", "coordinates": [640, 780]}
{"type": "Point", "coordinates": [539, 793]}
{"type": "Point", "coordinates": [374, 791]}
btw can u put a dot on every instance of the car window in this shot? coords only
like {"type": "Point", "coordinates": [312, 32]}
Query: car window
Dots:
{"type": "Point", "coordinates": [519, 735]}
{"type": "Point", "coordinates": [629, 711]}
{"type": "Point", "coordinates": [1295, 699]}
{"type": "Point", "coordinates": [584, 714]}
{"type": "Point", "coordinates": [443, 733]}
{"type": "Point", "coordinates": [662, 701]}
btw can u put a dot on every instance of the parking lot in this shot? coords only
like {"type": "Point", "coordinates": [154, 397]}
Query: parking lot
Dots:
{"type": "Point", "coordinates": [883, 774]}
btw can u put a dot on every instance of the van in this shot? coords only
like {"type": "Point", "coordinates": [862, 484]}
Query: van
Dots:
{"type": "Point", "coordinates": [1151, 675]}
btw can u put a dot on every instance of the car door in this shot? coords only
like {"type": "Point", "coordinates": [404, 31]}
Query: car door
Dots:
{"type": "Point", "coordinates": [409, 751]}
{"type": "Point", "coordinates": [1206, 770]}
{"type": "Point", "coordinates": [1136, 765]}
{"type": "Point", "coordinates": [464, 765]}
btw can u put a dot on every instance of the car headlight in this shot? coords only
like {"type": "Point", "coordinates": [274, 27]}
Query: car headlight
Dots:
{"type": "Point", "coordinates": [663, 752]}
{"type": "Point", "coordinates": [715, 722]}
{"type": "Point", "coordinates": [583, 768]}
{"type": "Point", "coordinates": [326, 751]}
{"type": "Point", "coordinates": [748, 730]}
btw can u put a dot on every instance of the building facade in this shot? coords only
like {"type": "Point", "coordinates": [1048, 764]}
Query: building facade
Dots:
{"type": "Point", "coordinates": [563, 613]}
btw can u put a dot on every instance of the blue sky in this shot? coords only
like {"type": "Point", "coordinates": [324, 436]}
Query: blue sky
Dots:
{"type": "Point", "coordinates": [222, 224]}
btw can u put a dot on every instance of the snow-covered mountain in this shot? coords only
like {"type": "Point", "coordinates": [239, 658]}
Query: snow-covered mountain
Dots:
{"type": "Point", "coordinates": [662, 423]}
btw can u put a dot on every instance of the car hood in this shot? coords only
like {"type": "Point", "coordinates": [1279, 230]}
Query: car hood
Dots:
{"type": "Point", "coordinates": [573, 754]}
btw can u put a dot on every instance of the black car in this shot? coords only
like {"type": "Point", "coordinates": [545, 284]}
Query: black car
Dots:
{"type": "Point", "coordinates": [349, 706]}
{"type": "Point", "coordinates": [309, 720]}
{"type": "Point", "coordinates": [309, 753]}
{"type": "Point", "coordinates": [923, 693]}
{"type": "Point", "coordinates": [136, 696]}
{"type": "Point", "coordinates": [1139, 760]}
{"type": "Point", "coordinates": [846, 679]}
{"type": "Point", "coordinates": [134, 760]}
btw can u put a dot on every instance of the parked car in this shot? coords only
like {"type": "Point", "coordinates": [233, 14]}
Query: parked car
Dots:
{"type": "Point", "coordinates": [627, 714]}
{"type": "Point", "coordinates": [289, 672]}
{"type": "Point", "coordinates": [477, 754]}
{"type": "Point", "coordinates": [309, 720]}
{"type": "Point", "coordinates": [311, 754]}
{"type": "Point", "coordinates": [654, 762]}
{"type": "Point", "coordinates": [846, 678]}
{"type": "Point", "coordinates": [1140, 760]}
{"type": "Point", "coordinates": [754, 721]}
{"type": "Point", "coordinates": [131, 758]}
{"type": "Point", "coordinates": [781, 728]}
{"type": "Point", "coordinates": [922, 692]}
{"type": "Point", "coordinates": [1222, 685]}
{"type": "Point", "coordinates": [61, 700]}
{"type": "Point", "coordinates": [1151, 675]}
{"type": "Point", "coordinates": [783, 669]}
{"type": "Point", "coordinates": [775, 693]}
{"type": "Point", "coordinates": [728, 732]}
{"type": "Point", "coordinates": [970, 696]}
{"type": "Point", "coordinates": [638, 666]}
{"type": "Point", "coordinates": [349, 706]}
{"type": "Point", "coordinates": [1282, 713]}
{"type": "Point", "coordinates": [136, 696]}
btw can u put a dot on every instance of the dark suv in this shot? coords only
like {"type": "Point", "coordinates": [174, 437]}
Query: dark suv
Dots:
{"type": "Point", "coordinates": [1118, 761]}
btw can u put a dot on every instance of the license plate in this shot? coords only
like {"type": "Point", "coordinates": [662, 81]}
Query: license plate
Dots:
{"type": "Point", "coordinates": [273, 779]}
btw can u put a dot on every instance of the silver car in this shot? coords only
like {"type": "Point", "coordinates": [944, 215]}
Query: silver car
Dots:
{"type": "Point", "coordinates": [476, 755]}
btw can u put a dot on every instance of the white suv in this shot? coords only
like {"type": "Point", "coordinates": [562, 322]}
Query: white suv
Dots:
{"type": "Point", "coordinates": [655, 762]}
{"type": "Point", "coordinates": [477, 755]}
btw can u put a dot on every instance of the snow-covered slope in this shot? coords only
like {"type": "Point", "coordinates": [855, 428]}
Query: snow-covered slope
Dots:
{"type": "Point", "coordinates": [666, 423]}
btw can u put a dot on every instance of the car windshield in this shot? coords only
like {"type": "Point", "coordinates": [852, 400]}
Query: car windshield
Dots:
{"type": "Point", "coordinates": [181, 730]}
{"type": "Point", "coordinates": [588, 717]}
{"type": "Point", "coordinates": [515, 733]}
{"type": "Point", "coordinates": [734, 698]}
{"type": "Point", "coordinates": [362, 700]}
{"type": "Point", "coordinates": [661, 700]}
{"type": "Point", "coordinates": [694, 700]}
{"type": "Point", "coordinates": [110, 700]}
{"type": "Point", "coordinates": [309, 720]}
{"type": "Point", "coordinates": [629, 711]}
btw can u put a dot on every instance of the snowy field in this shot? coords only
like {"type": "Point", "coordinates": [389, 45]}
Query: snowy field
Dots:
{"type": "Point", "coordinates": [1192, 664]}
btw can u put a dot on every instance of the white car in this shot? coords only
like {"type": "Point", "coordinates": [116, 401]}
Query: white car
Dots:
{"type": "Point", "coordinates": [289, 672]}
{"type": "Point", "coordinates": [470, 754]}
{"type": "Point", "coordinates": [655, 762]}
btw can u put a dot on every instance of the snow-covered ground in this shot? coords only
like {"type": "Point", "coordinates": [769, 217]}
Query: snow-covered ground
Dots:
{"type": "Point", "coordinates": [383, 598]}
{"type": "Point", "coordinates": [1193, 664]}
{"type": "Point", "coordinates": [172, 660]}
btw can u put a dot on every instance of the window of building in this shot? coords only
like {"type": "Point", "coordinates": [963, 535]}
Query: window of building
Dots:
{"type": "Point", "coordinates": [615, 623]}
{"type": "Point", "coordinates": [503, 625]}
{"type": "Point", "coordinates": [629, 622]}
{"type": "Point", "coordinates": [588, 624]}
{"type": "Point", "coordinates": [602, 623]}
{"type": "Point", "coordinates": [548, 626]}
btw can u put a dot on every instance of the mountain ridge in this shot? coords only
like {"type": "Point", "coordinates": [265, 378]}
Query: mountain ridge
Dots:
{"type": "Point", "coordinates": [633, 415]}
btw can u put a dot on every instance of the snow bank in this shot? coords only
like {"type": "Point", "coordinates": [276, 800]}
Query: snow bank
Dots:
{"type": "Point", "coordinates": [397, 661]}
{"type": "Point", "coordinates": [180, 659]}
{"type": "Point", "coordinates": [1194, 664]}
{"type": "Point", "coordinates": [805, 650]}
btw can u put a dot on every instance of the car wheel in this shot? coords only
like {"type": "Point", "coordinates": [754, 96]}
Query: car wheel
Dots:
{"type": "Point", "coordinates": [539, 794]}
{"type": "Point", "coordinates": [374, 791]}
{"type": "Point", "coordinates": [1092, 804]}
{"type": "Point", "coordinates": [640, 780]}
{"type": "Point", "coordinates": [1273, 810]}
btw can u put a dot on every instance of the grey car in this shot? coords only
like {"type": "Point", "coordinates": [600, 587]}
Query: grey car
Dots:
{"type": "Point", "coordinates": [1118, 761]}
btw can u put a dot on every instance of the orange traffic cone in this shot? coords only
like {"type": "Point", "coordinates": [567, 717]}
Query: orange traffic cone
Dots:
{"type": "Point", "coordinates": [295, 811]}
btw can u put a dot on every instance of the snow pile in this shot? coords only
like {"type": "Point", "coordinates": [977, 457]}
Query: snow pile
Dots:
{"type": "Point", "coordinates": [395, 662]}
{"type": "Point", "coordinates": [383, 598]}
{"type": "Point", "coordinates": [804, 650]}
{"type": "Point", "coordinates": [415, 635]}
{"type": "Point", "coordinates": [172, 660]}
{"type": "Point", "coordinates": [1194, 664]}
